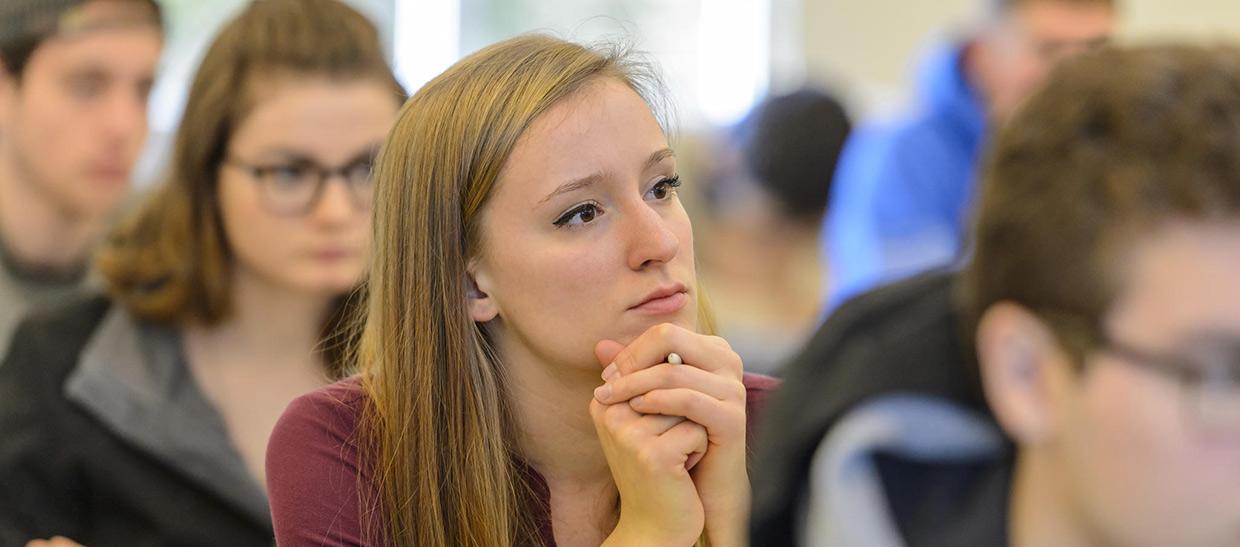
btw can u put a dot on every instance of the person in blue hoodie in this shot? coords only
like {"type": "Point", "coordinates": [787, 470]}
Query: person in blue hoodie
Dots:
{"type": "Point", "coordinates": [902, 190]}
{"type": "Point", "coordinates": [1078, 382]}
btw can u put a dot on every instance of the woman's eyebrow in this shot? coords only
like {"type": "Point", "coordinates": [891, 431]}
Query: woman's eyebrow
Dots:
{"type": "Point", "coordinates": [366, 154]}
{"type": "Point", "coordinates": [284, 154]}
{"type": "Point", "coordinates": [577, 184]}
{"type": "Point", "coordinates": [588, 180]}
{"type": "Point", "coordinates": [657, 157]}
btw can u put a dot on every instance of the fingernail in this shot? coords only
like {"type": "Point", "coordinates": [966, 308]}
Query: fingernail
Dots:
{"type": "Point", "coordinates": [602, 392]}
{"type": "Point", "coordinates": [635, 401]}
{"type": "Point", "coordinates": [610, 372]}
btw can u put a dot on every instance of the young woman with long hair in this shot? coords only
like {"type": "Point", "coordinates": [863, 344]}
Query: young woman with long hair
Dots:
{"type": "Point", "coordinates": [529, 238]}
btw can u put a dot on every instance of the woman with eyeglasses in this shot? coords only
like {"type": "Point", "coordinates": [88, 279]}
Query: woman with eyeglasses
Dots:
{"type": "Point", "coordinates": [142, 417]}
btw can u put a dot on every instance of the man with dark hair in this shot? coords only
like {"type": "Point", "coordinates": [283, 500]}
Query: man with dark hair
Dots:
{"type": "Point", "coordinates": [74, 81]}
{"type": "Point", "coordinates": [903, 189]}
{"type": "Point", "coordinates": [1079, 383]}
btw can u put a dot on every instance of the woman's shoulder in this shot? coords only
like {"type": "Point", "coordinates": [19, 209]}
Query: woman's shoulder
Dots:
{"type": "Point", "coordinates": [322, 423]}
{"type": "Point", "coordinates": [758, 388]}
{"type": "Point", "coordinates": [347, 393]}
{"type": "Point", "coordinates": [329, 413]}
{"type": "Point", "coordinates": [760, 383]}
{"type": "Point", "coordinates": [312, 467]}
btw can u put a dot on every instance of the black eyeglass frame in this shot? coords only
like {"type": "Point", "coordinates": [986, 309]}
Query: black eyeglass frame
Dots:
{"type": "Point", "coordinates": [1207, 391]}
{"type": "Point", "coordinates": [263, 175]}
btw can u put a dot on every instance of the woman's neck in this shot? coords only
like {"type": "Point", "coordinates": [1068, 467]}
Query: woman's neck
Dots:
{"type": "Point", "coordinates": [557, 438]}
{"type": "Point", "coordinates": [552, 406]}
{"type": "Point", "coordinates": [269, 325]}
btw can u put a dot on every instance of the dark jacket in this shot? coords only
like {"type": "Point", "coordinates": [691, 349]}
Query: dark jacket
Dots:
{"type": "Point", "coordinates": [105, 438]}
{"type": "Point", "coordinates": [881, 434]}
{"type": "Point", "coordinates": [22, 290]}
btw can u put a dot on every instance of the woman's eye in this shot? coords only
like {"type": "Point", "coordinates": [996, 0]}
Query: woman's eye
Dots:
{"type": "Point", "coordinates": [664, 188]}
{"type": "Point", "coordinates": [579, 215]}
{"type": "Point", "coordinates": [359, 174]}
{"type": "Point", "coordinates": [289, 175]}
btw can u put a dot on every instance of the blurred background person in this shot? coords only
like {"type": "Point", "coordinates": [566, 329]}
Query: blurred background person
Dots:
{"type": "Point", "coordinates": [903, 190]}
{"type": "Point", "coordinates": [767, 190]}
{"type": "Point", "coordinates": [142, 417]}
{"type": "Point", "coordinates": [1078, 384]}
{"type": "Point", "coordinates": [74, 81]}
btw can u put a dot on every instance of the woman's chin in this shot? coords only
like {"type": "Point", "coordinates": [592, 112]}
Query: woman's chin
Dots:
{"type": "Point", "coordinates": [329, 286]}
{"type": "Point", "coordinates": [687, 321]}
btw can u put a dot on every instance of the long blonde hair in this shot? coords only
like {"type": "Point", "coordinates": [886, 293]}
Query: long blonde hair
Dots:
{"type": "Point", "coordinates": [437, 430]}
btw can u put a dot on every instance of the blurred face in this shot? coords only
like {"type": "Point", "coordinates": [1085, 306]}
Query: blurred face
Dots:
{"type": "Point", "coordinates": [1016, 56]}
{"type": "Point", "coordinates": [74, 122]}
{"type": "Point", "coordinates": [584, 237]}
{"type": "Point", "coordinates": [1154, 460]}
{"type": "Point", "coordinates": [313, 241]}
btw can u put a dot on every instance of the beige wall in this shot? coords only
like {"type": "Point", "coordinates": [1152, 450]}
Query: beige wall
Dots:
{"type": "Point", "coordinates": [867, 48]}
{"type": "Point", "coordinates": [1196, 19]}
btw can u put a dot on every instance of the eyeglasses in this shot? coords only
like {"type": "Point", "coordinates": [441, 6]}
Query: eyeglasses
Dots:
{"type": "Point", "coordinates": [1209, 380]}
{"type": "Point", "coordinates": [294, 189]}
{"type": "Point", "coordinates": [1016, 38]}
{"type": "Point", "coordinates": [1208, 375]}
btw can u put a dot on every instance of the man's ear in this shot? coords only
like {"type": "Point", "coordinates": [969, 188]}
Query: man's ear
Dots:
{"type": "Point", "coordinates": [482, 306]}
{"type": "Point", "coordinates": [1023, 372]}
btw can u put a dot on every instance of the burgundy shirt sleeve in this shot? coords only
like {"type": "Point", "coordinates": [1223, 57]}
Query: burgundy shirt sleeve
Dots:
{"type": "Point", "coordinates": [312, 472]}
{"type": "Point", "coordinates": [758, 388]}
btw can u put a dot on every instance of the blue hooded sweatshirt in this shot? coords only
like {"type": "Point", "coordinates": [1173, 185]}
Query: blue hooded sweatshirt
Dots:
{"type": "Point", "coordinates": [902, 190]}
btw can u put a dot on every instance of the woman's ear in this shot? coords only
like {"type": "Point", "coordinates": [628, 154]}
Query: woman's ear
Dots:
{"type": "Point", "coordinates": [1023, 372]}
{"type": "Point", "coordinates": [482, 306]}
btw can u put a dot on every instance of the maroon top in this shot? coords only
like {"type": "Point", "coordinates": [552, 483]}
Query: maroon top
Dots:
{"type": "Point", "coordinates": [312, 469]}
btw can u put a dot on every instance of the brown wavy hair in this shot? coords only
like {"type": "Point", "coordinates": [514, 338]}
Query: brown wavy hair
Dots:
{"type": "Point", "coordinates": [1118, 143]}
{"type": "Point", "coordinates": [438, 431]}
{"type": "Point", "coordinates": [169, 261]}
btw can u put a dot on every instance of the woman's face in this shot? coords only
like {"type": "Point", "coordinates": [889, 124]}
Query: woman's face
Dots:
{"type": "Point", "coordinates": [279, 229]}
{"type": "Point", "coordinates": [584, 237]}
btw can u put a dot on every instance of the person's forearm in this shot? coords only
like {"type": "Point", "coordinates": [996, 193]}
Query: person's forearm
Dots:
{"type": "Point", "coordinates": [725, 531]}
{"type": "Point", "coordinates": [631, 535]}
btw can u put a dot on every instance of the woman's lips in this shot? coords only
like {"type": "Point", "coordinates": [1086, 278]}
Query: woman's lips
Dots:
{"type": "Point", "coordinates": [109, 174]}
{"type": "Point", "coordinates": [332, 255]}
{"type": "Point", "coordinates": [663, 306]}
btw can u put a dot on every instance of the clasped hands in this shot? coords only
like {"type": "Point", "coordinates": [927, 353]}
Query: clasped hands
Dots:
{"type": "Point", "coordinates": [674, 437]}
